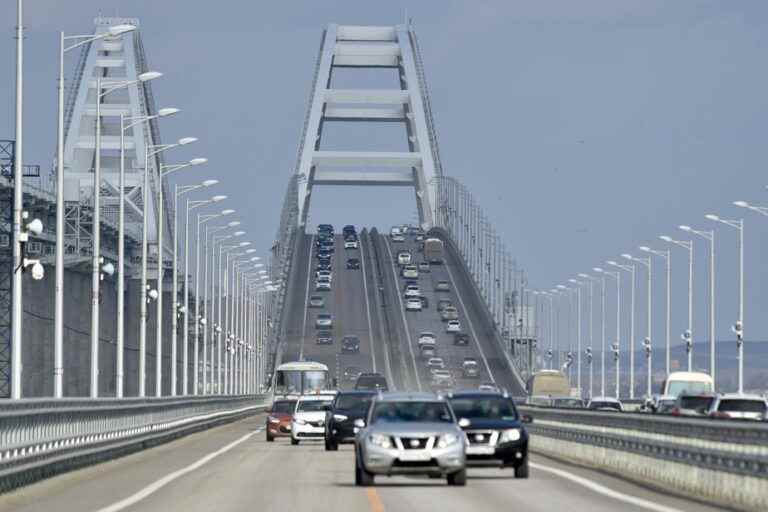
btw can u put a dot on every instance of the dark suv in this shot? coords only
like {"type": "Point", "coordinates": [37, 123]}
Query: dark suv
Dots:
{"type": "Point", "coordinates": [347, 407]}
{"type": "Point", "coordinates": [494, 429]}
{"type": "Point", "coordinates": [371, 382]}
{"type": "Point", "coordinates": [350, 345]}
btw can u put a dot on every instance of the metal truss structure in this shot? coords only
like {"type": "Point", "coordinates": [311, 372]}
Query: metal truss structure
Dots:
{"type": "Point", "coordinates": [365, 47]}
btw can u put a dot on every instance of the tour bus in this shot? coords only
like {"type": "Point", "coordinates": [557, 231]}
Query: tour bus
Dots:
{"type": "Point", "coordinates": [689, 382]}
{"type": "Point", "coordinates": [544, 385]}
{"type": "Point", "coordinates": [433, 250]}
{"type": "Point", "coordinates": [301, 378]}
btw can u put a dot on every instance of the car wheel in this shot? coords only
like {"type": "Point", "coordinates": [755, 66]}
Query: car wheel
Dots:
{"type": "Point", "coordinates": [522, 470]}
{"type": "Point", "coordinates": [294, 442]}
{"type": "Point", "coordinates": [362, 477]}
{"type": "Point", "coordinates": [458, 478]}
{"type": "Point", "coordinates": [270, 438]}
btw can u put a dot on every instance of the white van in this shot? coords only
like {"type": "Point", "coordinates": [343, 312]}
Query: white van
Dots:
{"type": "Point", "coordinates": [688, 382]}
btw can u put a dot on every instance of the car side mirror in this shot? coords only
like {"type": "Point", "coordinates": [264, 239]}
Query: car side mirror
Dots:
{"type": "Point", "coordinates": [335, 382]}
{"type": "Point", "coordinates": [359, 423]}
{"type": "Point", "coordinates": [527, 419]}
{"type": "Point", "coordinates": [464, 422]}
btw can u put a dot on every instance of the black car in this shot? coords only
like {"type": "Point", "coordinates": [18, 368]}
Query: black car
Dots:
{"type": "Point", "coordinates": [371, 382]}
{"type": "Point", "coordinates": [324, 265]}
{"type": "Point", "coordinates": [327, 247]}
{"type": "Point", "coordinates": [347, 407]}
{"type": "Point", "coordinates": [424, 302]}
{"type": "Point", "coordinates": [324, 256]}
{"type": "Point", "coordinates": [324, 338]}
{"type": "Point", "coordinates": [495, 431]}
{"type": "Point", "coordinates": [349, 229]}
{"type": "Point", "coordinates": [350, 344]}
{"type": "Point", "coordinates": [461, 339]}
{"type": "Point", "coordinates": [325, 228]}
{"type": "Point", "coordinates": [353, 264]}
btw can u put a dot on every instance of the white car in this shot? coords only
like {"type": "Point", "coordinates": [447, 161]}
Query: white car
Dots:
{"type": "Point", "coordinates": [322, 286]}
{"type": "Point", "coordinates": [398, 238]}
{"type": "Point", "coordinates": [413, 304]}
{"type": "Point", "coordinates": [453, 326]}
{"type": "Point", "coordinates": [743, 407]}
{"type": "Point", "coordinates": [412, 291]}
{"type": "Point", "coordinates": [410, 272]}
{"type": "Point", "coordinates": [435, 363]}
{"type": "Point", "coordinates": [403, 258]}
{"type": "Point", "coordinates": [324, 275]}
{"type": "Point", "coordinates": [308, 420]}
{"type": "Point", "coordinates": [427, 337]}
{"type": "Point", "coordinates": [441, 375]}
{"type": "Point", "coordinates": [351, 244]}
{"type": "Point", "coordinates": [324, 320]}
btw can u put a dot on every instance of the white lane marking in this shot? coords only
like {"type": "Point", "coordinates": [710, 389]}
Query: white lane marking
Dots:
{"type": "Point", "coordinates": [159, 484]}
{"type": "Point", "coordinates": [402, 312]}
{"type": "Point", "coordinates": [469, 321]}
{"type": "Point", "coordinates": [306, 297]}
{"type": "Point", "coordinates": [605, 491]}
{"type": "Point", "coordinates": [368, 307]}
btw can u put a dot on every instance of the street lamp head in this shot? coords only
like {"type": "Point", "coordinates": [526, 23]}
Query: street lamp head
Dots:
{"type": "Point", "coordinates": [645, 248]}
{"type": "Point", "coordinates": [149, 75]}
{"type": "Point", "coordinates": [234, 223]}
{"type": "Point", "coordinates": [186, 140]}
{"type": "Point", "coordinates": [165, 112]}
{"type": "Point", "coordinates": [255, 258]}
{"type": "Point", "coordinates": [583, 275]}
{"type": "Point", "coordinates": [238, 233]}
{"type": "Point", "coordinates": [573, 281]}
{"type": "Point", "coordinates": [741, 204]}
{"type": "Point", "coordinates": [108, 269]}
{"type": "Point", "coordinates": [711, 216]}
{"type": "Point", "coordinates": [685, 228]}
{"type": "Point", "coordinates": [216, 199]}
{"type": "Point", "coordinates": [227, 212]}
{"type": "Point", "coordinates": [244, 244]}
{"type": "Point", "coordinates": [262, 271]}
{"type": "Point", "coordinates": [562, 287]}
{"type": "Point", "coordinates": [210, 183]}
{"type": "Point", "coordinates": [258, 265]}
{"type": "Point", "coordinates": [118, 30]}
{"type": "Point", "coordinates": [198, 161]}
{"type": "Point", "coordinates": [250, 251]}
{"type": "Point", "coordinates": [665, 238]}
{"type": "Point", "coordinates": [598, 269]}
{"type": "Point", "coordinates": [627, 256]}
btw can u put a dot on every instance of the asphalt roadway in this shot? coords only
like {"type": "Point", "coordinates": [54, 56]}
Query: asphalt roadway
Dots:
{"type": "Point", "coordinates": [233, 468]}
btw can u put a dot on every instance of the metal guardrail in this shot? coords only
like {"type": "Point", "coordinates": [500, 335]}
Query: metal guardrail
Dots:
{"type": "Point", "coordinates": [698, 457]}
{"type": "Point", "coordinates": [39, 438]}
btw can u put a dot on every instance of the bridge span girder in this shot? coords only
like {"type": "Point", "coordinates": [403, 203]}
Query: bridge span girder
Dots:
{"type": "Point", "coordinates": [370, 47]}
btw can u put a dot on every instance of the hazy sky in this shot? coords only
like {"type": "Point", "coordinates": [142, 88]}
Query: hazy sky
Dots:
{"type": "Point", "coordinates": [586, 128]}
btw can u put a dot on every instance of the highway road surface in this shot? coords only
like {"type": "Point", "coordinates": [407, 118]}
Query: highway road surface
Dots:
{"type": "Point", "coordinates": [232, 468]}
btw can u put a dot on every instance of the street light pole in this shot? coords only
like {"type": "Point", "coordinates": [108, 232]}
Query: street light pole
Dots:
{"type": "Point", "coordinates": [578, 333]}
{"type": "Point", "coordinates": [738, 327]}
{"type": "Point", "coordinates": [668, 263]}
{"type": "Point", "coordinates": [632, 270]}
{"type": "Point", "coordinates": [647, 343]}
{"type": "Point", "coordinates": [687, 336]}
{"type": "Point", "coordinates": [710, 236]}
{"type": "Point", "coordinates": [617, 344]}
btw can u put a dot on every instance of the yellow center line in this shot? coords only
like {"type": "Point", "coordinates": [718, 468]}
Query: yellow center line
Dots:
{"type": "Point", "coordinates": [374, 501]}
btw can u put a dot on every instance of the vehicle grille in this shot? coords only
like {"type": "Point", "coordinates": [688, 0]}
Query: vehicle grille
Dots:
{"type": "Point", "coordinates": [415, 464]}
{"type": "Point", "coordinates": [414, 443]}
{"type": "Point", "coordinates": [482, 437]}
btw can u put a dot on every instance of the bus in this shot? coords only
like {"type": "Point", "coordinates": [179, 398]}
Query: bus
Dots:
{"type": "Point", "coordinates": [301, 378]}
{"type": "Point", "coordinates": [689, 382]}
{"type": "Point", "coordinates": [433, 250]}
{"type": "Point", "coordinates": [549, 384]}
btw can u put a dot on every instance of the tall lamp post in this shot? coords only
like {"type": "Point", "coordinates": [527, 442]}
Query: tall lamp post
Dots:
{"type": "Point", "coordinates": [58, 329]}
{"type": "Point", "coordinates": [687, 336]}
{"type": "Point", "coordinates": [578, 284]}
{"type": "Point", "coordinates": [647, 343]}
{"type": "Point", "coordinates": [633, 271]}
{"type": "Point", "coordinates": [617, 344]}
{"type": "Point", "coordinates": [709, 236]}
{"type": "Point", "coordinates": [668, 321]}
{"type": "Point", "coordinates": [738, 327]}
{"type": "Point", "coordinates": [102, 90]}
{"type": "Point", "coordinates": [179, 190]}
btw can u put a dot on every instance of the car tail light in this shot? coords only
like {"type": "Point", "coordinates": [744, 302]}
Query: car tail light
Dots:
{"type": "Point", "coordinates": [720, 414]}
{"type": "Point", "coordinates": [676, 411]}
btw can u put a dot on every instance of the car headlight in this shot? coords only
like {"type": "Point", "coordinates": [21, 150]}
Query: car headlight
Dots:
{"type": "Point", "coordinates": [274, 420]}
{"type": "Point", "coordinates": [447, 440]}
{"type": "Point", "coordinates": [299, 422]}
{"type": "Point", "coordinates": [381, 441]}
{"type": "Point", "coordinates": [340, 417]}
{"type": "Point", "coordinates": [512, 434]}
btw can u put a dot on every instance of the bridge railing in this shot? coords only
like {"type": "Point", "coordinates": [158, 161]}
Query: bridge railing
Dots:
{"type": "Point", "coordinates": [720, 461]}
{"type": "Point", "coordinates": [39, 438]}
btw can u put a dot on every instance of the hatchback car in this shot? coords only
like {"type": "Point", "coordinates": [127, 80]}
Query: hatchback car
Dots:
{"type": "Point", "coordinates": [309, 418]}
{"type": "Point", "coordinates": [449, 313]}
{"type": "Point", "coordinates": [324, 338]}
{"type": "Point", "coordinates": [324, 321]}
{"type": "Point", "coordinates": [410, 433]}
{"type": "Point", "coordinates": [435, 363]}
{"type": "Point", "coordinates": [460, 339]}
{"type": "Point", "coordinates": [427, 337]}
{"type": "Point", "coordinates": [316, 301]}
{"type": "Point", "coordinates": [353, 264]}
{"type": "Point", "coordinates": [469, 368]}
{"type": "Point", "coordinates": [444, 303]}
{"type": "Point", "coordinates": [413, 304]}
{"type": "Point", "coordinates": [347, 407]}
{"type": "Point", "coordinates": [742, 407]}
{"type": "Point", "coordinates": [397, 237]}
{"type": "Point", "coordinates": [424, 267]}
{"type": "Point", "coordinates": [410, 272]}
{"type": "Point", "coordinates": [371, 382]}
{"type": "Point", "coordinates": [427, 350]}
{"type": "Point", "coordinates": [279, 419]}
{"type": "Point", "coordinates": [495, 431]}
{"type": "Point", "coordinates": [453, 326]}
{"type": "Point", "coordinates": [351, 244]}
{"type": "Point", "coordinates": [350, 345]}
{"type": "Point", "coordinates": [697, 404]}
{"type": "Point", "coordinates": [412, 291]}
{"type": "Point", "coordinates": [322, 286]}
{"type": "Point", "coordinates": [352, 373]}
{"type": "Point", "coordinates": [442, 286]}
{"type": "Point", "coordinates": [605, 403]}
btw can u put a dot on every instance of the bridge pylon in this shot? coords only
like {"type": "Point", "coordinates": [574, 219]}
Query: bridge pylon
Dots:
{"type": "Point", "coordinates": [350, 46]}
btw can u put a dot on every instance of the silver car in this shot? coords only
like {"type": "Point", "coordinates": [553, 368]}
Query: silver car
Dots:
{"type": "Point", "coordinates": [410, 433]}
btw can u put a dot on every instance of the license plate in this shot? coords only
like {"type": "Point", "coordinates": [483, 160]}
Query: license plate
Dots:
{"type": "Point", "coordinates": [418, 456]}
{"type": "Point", "coordinates": [480, 450]}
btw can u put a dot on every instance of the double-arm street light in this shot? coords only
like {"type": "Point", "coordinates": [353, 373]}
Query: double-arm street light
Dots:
{"type": "Point", "coordinates": [578, 284]}
{"type": "Point", "coordinates": [589, 350]}
{"type": "Point", "coordinates": [647, 343]}
{"type": "Point", "coordinates": [738, 327]}
{"type": "Point", "coordinates": [709, 236]}
{"type": "Point", "coordinates": [617, 344]}
{"type": "Point", "coordinates": [666, 254]}
{"type": "Point", "coordinates": [179, 190]}
{"type": "Point", "coordinates": [103, 88]}
{"type": "Point", "coordinates": [66, 44]}
{"type": "Point", "coordinates": [633, 271]}
{"type": "Point", "coordinates": [687, 336]}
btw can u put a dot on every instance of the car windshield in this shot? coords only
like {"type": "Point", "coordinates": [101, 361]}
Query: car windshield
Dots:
{"type": "Point", "coordinates": [677, 388]}
{"type": "Point", "coordinates": [284, 407]}
{"type": "Point", "coordinates": [696, 402]}
{"type": "Point", "coordinates": [741, 405]}
{"type": "Point", "coordinates": [487, 408]}
{"type": "Point", "coordinates": [312, 405]}
{"type": "Point", "coordinates": [411, 411]}
{"type": "Point", "coordinates": [358, 403]}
